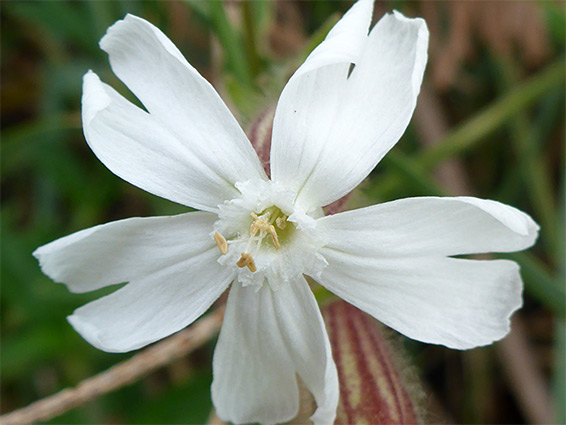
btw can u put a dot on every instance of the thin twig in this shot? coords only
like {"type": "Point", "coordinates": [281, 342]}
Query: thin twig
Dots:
{"type": "Point", "coordinates": [120, 375]}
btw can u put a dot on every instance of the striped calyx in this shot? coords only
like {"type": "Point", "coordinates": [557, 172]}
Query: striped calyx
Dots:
{"type": "Point", "coordinates": [371, 389]}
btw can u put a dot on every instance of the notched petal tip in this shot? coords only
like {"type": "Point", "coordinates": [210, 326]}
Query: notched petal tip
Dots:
{"type": "Point", "coordinates": [37, 253]}
{"type": "Point", "coordinates": [401, 17]}
{"type": "Point", "coordinates": [527, 227]}
{"type": "Point", "coordinates": [94, 98]}
{"type": "Point", "coordinates": [40, 255]}
{"type": "Point", "coordinates": [518, 222]}
{"type": "Point", "coordinates": [421, 51]}
{"type": "Point", "coordinates": [418, 22]}
{"type": "Point", "coordinates": [344, 43]}
{"type": "Point", "coordinates": [132, 17]}
{"type": "Point", "coordinates": [47, 264]}
{"type": "Point", "coordinates": [89, 332]}
{"type": "Point", "coordinates": [118, 26]}
{"type": "Point", "coordinates": [119, 38]}
{"type": "Point", "coordinates": [510, 299]}
{"type": "Point", "coordinates": [94, 336]}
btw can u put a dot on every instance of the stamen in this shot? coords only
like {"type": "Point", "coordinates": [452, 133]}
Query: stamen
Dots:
{"type": "Point", "coordinates": [260, 224]}
{"type": "Point", "coordinates": [221, 243]}
{"type": "Point", "coordinates": [246, 260]}
{"type": "Point", "coordinates": [256, 225]}
{"type": "Point", "coordinates": [281, 222]}
{"type": "Point", "coordinates": [273, 234]}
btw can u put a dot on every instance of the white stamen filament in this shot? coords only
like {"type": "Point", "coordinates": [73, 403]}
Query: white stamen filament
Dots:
{"type": "Point", "coordinates": [264, 226]}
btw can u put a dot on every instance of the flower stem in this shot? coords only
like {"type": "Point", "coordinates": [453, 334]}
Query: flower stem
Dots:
{"type": "Point", "coordinates": [469, 134]}
{"type": "Point", "coordinates": [232, 45]}
{"type": "Point", "coordinates": [527, 136]}
{"type": "Point", "coordinates": [475, 130]}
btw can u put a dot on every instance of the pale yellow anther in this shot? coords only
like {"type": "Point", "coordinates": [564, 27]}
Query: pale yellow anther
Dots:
{"type": "Point", "coordinates": [273, 234]}
{"type": "Point", "coordinates": [246, 260]}
{"type": "Point", "coordinates": [281, 222]}
{"type": "Point", "coordinates": [221, 243]}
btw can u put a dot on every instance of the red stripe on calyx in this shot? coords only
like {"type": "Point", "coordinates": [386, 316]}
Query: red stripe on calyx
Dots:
{"type": "Point", "coordinates": [371, 390]}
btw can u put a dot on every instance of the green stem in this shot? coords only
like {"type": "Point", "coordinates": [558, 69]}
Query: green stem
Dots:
{"type": "Point", "coordinates": [540, 283]}
{"type": "Point", "coordinates": [475, 130]}
{"type": "Point", "coordinates": [559, 375]}
{"type": "Point", "coordinates": [559, 383]}
{"type": "Point", "coordinates": [231, 43]}
{"type": "Point", "coordinates": [318, 37]}
{"type": "Point", "coordinates": [250, 38]}
{"type": "Point", "coordinates": [413, 173]}
{"type": "Point", "coordinates": [526, 135]}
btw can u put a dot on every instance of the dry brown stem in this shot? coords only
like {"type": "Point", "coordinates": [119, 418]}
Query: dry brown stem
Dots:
{"type": "Point", "coordinates": [433, 126]}
{"type": "Point", "coordinates": [213, 419]}
{"type": "Point", "coordinates": [120, 375]}
{"type": "Point", "coordinates": [527, 382]}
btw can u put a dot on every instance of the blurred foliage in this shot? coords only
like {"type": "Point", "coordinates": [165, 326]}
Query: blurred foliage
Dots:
{"type": "Point", "coordinates": [500, 83]}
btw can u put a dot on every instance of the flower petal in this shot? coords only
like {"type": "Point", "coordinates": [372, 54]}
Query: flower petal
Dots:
{"type": "Point", "coordinates": [344, 43]}
{"type": "Point", "coordinates": [268, 336]}
{"type": "Point", "coordinates": [454, 302]}
{"type": "Point", "coordinates": [153, 306]}
{"type": "Point", "coordinates": [125, 250]}
{"type": "Point", "coordinates": [180, 99]}
{"type": "Point", "coordinates": [142, 151]}
{"type": "Point", "coordinates": [429, 226]}
{"type": "Point", "coordinates": [305, 334]}
{"type": "Point", "coordinates": [388, 260]}
{"type": "Point", "coordinates": [330, 121]}
{"type": "Point", "coordinates": [253, 374]}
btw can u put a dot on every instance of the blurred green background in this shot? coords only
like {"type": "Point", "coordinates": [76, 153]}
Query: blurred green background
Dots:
{"type": "Point", "coordinates": [490, 123]}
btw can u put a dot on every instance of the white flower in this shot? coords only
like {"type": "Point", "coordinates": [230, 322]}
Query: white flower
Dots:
{"type": "Point", "coordinates": [332, 126]}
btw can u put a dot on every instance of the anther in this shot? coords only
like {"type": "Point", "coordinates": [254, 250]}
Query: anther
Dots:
{"type": "Point", "coordinates": [273, 234]}
{"type": "Point", "coordinates": [246, 260]}
{"type": "Point", "coordinates": [221, 243]}
{"type": "Point", "coordinates": [281, 222]}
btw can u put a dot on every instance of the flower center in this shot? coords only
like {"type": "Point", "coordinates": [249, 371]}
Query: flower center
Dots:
{"type": "Point", "coordinates": [264, 237]}
{"type": "Point", "coordinates": [273, 222]}
{"type": "Point", "coordinates": [270, 226]}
